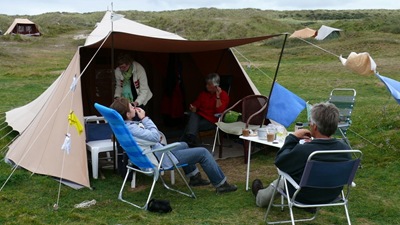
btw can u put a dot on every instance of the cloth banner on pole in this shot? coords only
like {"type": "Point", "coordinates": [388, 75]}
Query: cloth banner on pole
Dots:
{"type": "Point", "coordinates": [284, 106]}
{"type": "Point", "coordinates": [361, 63]}
{"type": "Point", "coordinates": [392, 85]}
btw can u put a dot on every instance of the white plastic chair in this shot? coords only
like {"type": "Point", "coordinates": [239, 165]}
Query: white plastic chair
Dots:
{"type": "Point", "coordinates": [98, 140]}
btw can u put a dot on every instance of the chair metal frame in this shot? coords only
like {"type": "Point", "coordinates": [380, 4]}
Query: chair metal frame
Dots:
{"type": "Point", "coordinates": [138, 158]}
{"type": "Point", "coordinates": [341, 174]}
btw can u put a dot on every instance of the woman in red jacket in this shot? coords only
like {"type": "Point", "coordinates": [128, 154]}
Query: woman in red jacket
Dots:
{"type": "Point", "coordinates": [202, 111]}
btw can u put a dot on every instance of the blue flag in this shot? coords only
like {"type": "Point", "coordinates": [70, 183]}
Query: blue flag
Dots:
{"type": "Point", "coordinates": [284, 106]}
{"type": "Point", "coordinates": [392, 85]}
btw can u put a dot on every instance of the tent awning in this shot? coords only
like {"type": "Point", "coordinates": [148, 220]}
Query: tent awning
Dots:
{"type": "Point", "coordinates": [150, 44]}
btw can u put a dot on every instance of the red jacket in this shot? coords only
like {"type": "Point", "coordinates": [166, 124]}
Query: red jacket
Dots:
{"type": "Point", "coordinates": [205, 104]}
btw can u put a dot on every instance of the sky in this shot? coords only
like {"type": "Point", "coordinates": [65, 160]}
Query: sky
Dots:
{"type": "Point", "coordinates": [35, 7]}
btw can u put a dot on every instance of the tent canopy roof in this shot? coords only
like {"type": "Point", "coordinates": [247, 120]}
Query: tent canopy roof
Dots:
{"type": "Point", "coordinates": [150, 44]}
{"type": "Point", "coordinates": [127, 26]}
{"type": "Point", "coordinates": [134, 36]}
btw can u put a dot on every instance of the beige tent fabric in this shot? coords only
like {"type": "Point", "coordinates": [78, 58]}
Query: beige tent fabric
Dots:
{"type": "Point", "coordinates": [130, 35]}
{"type": "Point", "coordinates": [304, 33]}
{"type": "Point", "coordinates": [361, 63]}
{"type": "Point", "coordinates": [126, 26]}
{"type": "Point", "coordinates": [20, 118]}
{"type": "Point", "coordinates": [38, 149]}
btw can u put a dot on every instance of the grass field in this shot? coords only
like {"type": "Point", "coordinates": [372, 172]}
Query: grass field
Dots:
{"type": "Point", "coordinates": [28, 66]}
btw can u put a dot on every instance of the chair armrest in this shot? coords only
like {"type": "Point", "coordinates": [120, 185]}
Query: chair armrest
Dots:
{"type": "Point", "coordinates": [94, 118]}
{"type": "Point", "coordinates": [261, 110]}
{"type": "Point", "coordinates": [165, 148]}
{"type": "Point", "coordinates": [221, 116]}
{"type": "Point", "coordinates": [343, 125]}
{"type": "Point", "coordinates": [288, 178]}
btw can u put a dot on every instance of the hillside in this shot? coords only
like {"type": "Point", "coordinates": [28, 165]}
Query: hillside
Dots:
{"type": "Point", "coordinates": [211, 23]}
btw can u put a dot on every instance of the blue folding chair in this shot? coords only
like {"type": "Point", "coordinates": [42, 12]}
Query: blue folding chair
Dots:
{"type": "Point", "coordinates": [332, 177]}
{"type": "Point", "coordinates": [139, 162]}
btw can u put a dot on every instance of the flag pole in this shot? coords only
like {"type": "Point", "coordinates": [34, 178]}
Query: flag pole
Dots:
{"type": "Point", "coordinates": [276, 73]}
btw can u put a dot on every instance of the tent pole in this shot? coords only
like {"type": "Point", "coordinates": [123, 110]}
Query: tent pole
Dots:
{"type": "Point", "coordinates": [112, 87]}
{"type": "Point", "coordinates": [112, 44]}
{"type": "Point", "coordinates": [276, 74]}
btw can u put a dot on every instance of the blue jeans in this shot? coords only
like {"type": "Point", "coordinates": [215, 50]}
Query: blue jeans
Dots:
{"type": "Point", "coordinates": [191, 156]}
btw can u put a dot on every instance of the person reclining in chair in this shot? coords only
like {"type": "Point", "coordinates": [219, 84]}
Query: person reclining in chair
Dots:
{"type": "Point", "coordinates": [291, 158]}
{"type": "Point", "coordinates": [147, 135]}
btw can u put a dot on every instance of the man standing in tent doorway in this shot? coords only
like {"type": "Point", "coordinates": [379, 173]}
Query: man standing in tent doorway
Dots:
{"type": "Point", "coordinates": [131, 81]}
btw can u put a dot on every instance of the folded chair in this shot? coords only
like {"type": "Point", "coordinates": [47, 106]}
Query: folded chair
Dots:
{"type": "Point", "coordinates": [319, 175]}
{"type": "Point", "coordinates": [343, 99]}
{"type": "Point", "coordinates": [98, 140]}
{"type": "Point", "coordinates": [138, 158]}
{"type": "Point", "coordinates": [252, 109]}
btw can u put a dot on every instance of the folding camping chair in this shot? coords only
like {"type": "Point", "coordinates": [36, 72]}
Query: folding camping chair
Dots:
{"type": "Point", "coordinates": [343, 99]}
{"type": "Point", "coordinates": [138, 158]}
{"type": "Point", "coordinates": [318, 174]}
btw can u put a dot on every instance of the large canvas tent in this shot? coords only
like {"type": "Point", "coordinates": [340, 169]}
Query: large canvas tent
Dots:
{"type": "Point", "coordinates": [163, 55]}
{"type": "Point", "coordinates": [325, 32]}
{"type": "Point", "coordinates": [24, 27]}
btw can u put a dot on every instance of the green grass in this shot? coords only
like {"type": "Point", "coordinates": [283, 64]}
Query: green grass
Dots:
{"type": "Point", "coordinates": [28, 66]}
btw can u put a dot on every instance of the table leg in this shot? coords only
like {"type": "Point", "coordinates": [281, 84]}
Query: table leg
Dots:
{"type": "Point", "coordinates": [245, 152]}
{"type": "Point", "coordinates": [248, 165]}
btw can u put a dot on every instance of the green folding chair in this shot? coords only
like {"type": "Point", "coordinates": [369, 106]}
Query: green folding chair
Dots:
{"type": "Point", "coordinates": [343, 99]}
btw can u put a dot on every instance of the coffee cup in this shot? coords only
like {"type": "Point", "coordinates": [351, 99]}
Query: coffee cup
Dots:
{"type": "Point", "coordinates": [246, 132]}
{"type": "Point", "coordinates": [270, 137]}
{"type": "Point", "coordinates": [271, 131]}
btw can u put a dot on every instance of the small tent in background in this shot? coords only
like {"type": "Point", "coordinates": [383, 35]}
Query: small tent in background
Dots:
{"type": "Point", "coordinates": [326, 32]}
{"type": "Point", "coordinates": [304, 33]}
{"type": "Point", "coordinates": [24, 27]}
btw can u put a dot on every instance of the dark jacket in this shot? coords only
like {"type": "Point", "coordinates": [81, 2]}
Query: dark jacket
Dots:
{"type": "Point", "coordinates": [292, 158]}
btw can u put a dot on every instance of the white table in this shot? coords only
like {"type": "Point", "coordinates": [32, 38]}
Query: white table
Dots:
{"type": "Point", "coordinates": [257, 140]}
